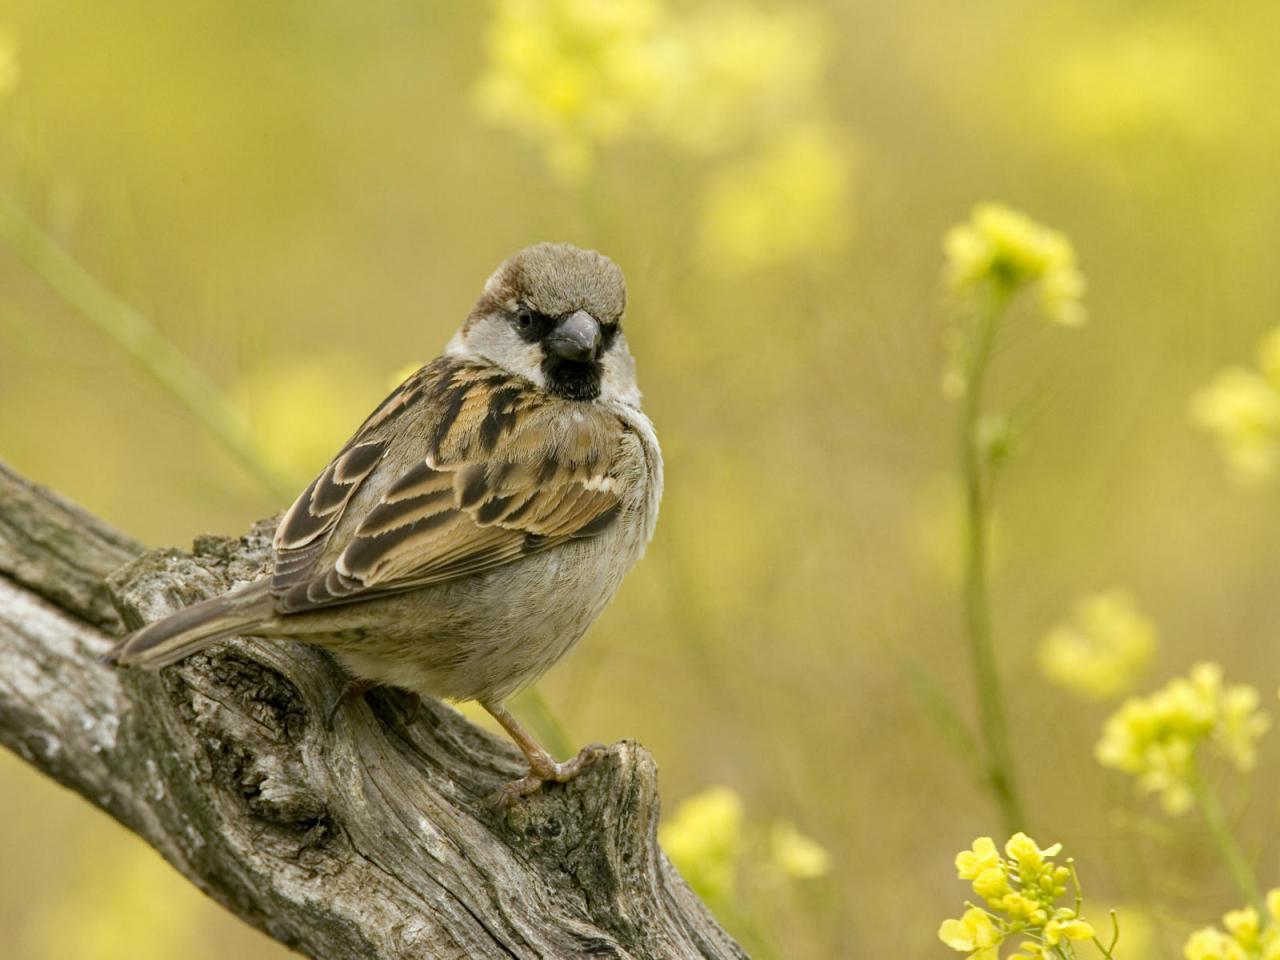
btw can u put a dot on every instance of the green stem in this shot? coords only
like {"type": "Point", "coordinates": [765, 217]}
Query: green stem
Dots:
{"type": "Point", "coordinates": [138, 337]}
{"type": "Point", "coordinates": [1215, 819]}
{"type": "Point", "coordinates": [995, 733]}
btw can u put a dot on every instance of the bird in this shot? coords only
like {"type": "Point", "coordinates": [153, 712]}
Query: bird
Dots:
{"type": "Point", "coordinates": [478, 521]}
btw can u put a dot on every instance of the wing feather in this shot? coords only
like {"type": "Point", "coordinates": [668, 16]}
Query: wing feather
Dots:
{"type": "Point", "coordinates": [505, 472]}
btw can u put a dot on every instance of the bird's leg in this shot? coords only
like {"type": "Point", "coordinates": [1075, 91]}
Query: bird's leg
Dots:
{"type": "Point", "coordinates": [542, 766]}
{"type": "Point", "coordinates": [352, 690]}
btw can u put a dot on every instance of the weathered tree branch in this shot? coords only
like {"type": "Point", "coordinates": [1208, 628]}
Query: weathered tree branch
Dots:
{"type": "Point", "coordinates": [373, 840]}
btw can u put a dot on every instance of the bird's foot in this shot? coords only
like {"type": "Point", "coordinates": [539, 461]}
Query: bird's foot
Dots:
{"type": "Point", "coordinates": [545, 770]}
{"type": "Point", "coordinates": [352, 691]}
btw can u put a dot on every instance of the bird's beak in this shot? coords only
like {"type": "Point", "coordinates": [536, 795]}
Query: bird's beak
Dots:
{"type": "Point", "coordinates": [576, 337]}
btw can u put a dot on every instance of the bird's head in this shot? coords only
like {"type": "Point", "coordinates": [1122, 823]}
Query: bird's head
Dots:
{"type": "Point", "coordinates": [552, 314]}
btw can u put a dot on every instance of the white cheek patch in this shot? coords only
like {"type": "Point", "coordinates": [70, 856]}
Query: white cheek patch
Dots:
{"type": "Point", "coordinates": [457, 347]}
{"type": "Point", "coordinates": [618, 375]}
{"type": "Point", "coordinates": [493, 339]}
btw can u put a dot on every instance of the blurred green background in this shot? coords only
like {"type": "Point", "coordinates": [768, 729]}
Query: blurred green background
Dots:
{"type": "Point", "coordinates": [307, 197]}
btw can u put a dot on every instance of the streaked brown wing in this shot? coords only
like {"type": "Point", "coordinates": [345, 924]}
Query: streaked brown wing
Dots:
{"type": "Point", "coordinates": [305, 530]}
{"type": "Point", "coordinates": [507, 473]}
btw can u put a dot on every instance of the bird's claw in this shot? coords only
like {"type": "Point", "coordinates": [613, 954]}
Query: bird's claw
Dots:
{"type": "Point", "coordinates": [546, 773]}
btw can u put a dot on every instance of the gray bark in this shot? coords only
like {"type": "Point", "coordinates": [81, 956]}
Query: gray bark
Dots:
{"type": "Point", "coordinates": [370, 840]}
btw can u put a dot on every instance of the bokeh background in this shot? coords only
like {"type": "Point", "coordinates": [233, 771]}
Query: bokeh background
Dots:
{"type": "Point", "coordinates": [305, 198]}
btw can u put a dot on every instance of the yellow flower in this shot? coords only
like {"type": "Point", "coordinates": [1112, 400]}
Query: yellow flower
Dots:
{"type": "Point", "coordinates": [1103, 650]}
{"type": "Point", "coordinates": [992, 884]}
{"type": "Point", "coordinates": [1023, 849]}
{"type": "Point", "coordinates": [1008, 250]}
{"type": "Point", "coordinates": [1019, 906]}
{"type": "Point", "coordinates": [797, 855]}
{"type": "Point", "coordinates": [1273, 906]}
{"type": "Point", "coordinates": [704, 841]}
{"type": "Point", "coordinates": [1242, 408]}
{"type": "Point", "coordinates": [1211, 944]}
{"type": "Point", "coordinates": [790, 202]}
{"type": "Point", "coordinates": [980, 858]}
{"type": "Point", "coordinates": [973, 933]}
{"type": "Point", "coordinates": [572, 74]}
{"type": "Point", "coordinates": [1021, 892]}
{"type": "Point", "coordinates": [576, 75]}
{"type": "Point", "coordinates": [9, 70]}
{"type": "Point", "coordinates": [1067, 926]}
{"type": "Point", "coordinates": [1028, 950]}
{"type": "Point", "coordinates": [1243, 925]}
{"type": "Point", "coordinates": [1155, 737]}
{"type": "Point", "coordinates": [1240, 725]}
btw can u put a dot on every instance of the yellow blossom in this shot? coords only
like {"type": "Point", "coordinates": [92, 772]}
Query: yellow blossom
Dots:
{"type": "Point", "coordinates": [1007, 250]}
{"type": "Point", "coordinates": [1243, 925]}
{"type": "Point", "coordinates": [1067, 926]}
{"type": "Point", "coordinates": [992, 884]}
{"type": "Point", "coordinates": [1019, 906]}
{"type": "Point", "coordinates": [577, 75]}
{"type": "Point", "coordinates": [974, 933]}
{"type": "Point", "coordinates": [789, 202]}
{"type": "Point", "coordinates": [572, 74]}
{"type": "Point", "coordinates": [1023, 849]}
{"type": "Point", "coordinates": [1244, 935]}
{"type": "Point", "coordinates": [1211, 944]}
{"type": "Point", "coordinates": [1021, 893]}
{"type": "Point", "coordinates": [1102, 651]}
{"type": "Point", "coordinates": [704, 841]}
{"type": "Point", "coordinates": [797, 855]}
{"type": "Point", "coordinates": [982, 857]}
{"type": "Point", "coordinates": [1242, 409]}
{"type": "Point", "coordinates": [1155, 738]}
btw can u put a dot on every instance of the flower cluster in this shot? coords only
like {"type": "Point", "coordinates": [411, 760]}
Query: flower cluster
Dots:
{"type": "Point", "coordinates": [704, 841]}
{"type": "Point", "coordinates": [1242, 408]}
{"type": "Point", "coordinates": [1103, 649]}
{"type": "Point", "coordinates": [1021, 891]}
{"type": "Point", "coordinates": [1246, 935]}
{"type": "Point", "coordinates": [707, 841]}
{"type": "Point", "coordinates": [580, 74]}
{"type": "Point", "coordinates": [570, 73]}
{"type": "Point", "coordinates": [1003, 250]}
{"type": "Point", "coordinates": [734, 83]}
{"type": "Point", "coordinates": [1156, 738]}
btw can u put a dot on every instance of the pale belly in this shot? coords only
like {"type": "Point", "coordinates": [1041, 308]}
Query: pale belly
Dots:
{"type": "Point", "coordinates": [482, 637]}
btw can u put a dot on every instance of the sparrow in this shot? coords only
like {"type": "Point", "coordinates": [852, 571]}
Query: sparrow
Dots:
{"type": "Point", "coordinates": [479, 520]}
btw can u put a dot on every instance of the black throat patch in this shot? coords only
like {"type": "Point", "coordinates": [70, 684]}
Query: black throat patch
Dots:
{"type": "Point", "coordinates": [570, 379]}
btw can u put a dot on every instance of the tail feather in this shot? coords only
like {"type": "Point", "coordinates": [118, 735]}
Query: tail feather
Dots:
{"type": "Point", "coordinates": [183, 633]}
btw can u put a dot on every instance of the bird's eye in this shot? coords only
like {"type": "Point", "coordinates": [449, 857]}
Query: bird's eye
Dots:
{"type": "Point", "coordinates": [524, 318]}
